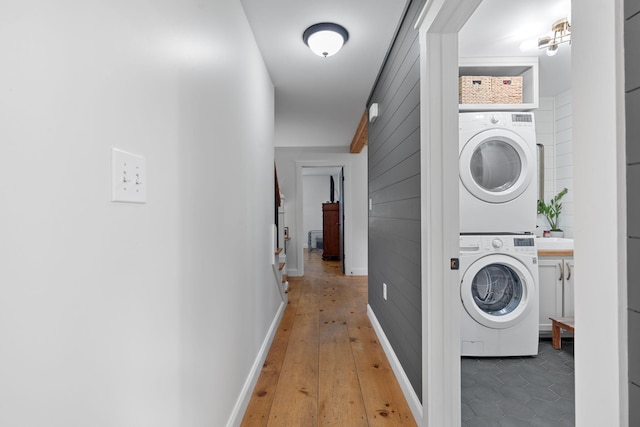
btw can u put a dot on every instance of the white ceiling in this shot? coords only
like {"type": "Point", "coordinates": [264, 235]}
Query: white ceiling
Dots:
{"type": "Point", "coordinates": [319, 101]}
{"type": "Point", "coordinates": [499, 26]}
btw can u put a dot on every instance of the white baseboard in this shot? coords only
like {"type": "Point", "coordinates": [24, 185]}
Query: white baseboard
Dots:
{"type": "Point", "coordinates": [293, 272]}
{"type": "Point", "coordinates": [247, 390]}
{"type": "Point", "coordinates": [359, 272]}
{"type": "Point", "coordinates": [401, 376]}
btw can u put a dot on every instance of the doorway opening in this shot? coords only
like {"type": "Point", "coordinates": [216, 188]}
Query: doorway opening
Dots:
{"type": "Point", "coordinates": [604, 398]}
{"type": "Point", "coordinates": [323, 212]}
{"type": "Point", "coordinates": [313, 188]}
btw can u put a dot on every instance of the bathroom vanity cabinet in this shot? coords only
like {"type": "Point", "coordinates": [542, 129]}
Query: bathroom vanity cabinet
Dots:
{"type": "Point", "coordinates": [556, 275]}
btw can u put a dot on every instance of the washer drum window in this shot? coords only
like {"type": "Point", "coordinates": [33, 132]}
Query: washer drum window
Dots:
{"type": "Point", "coordinates": [497, 291]}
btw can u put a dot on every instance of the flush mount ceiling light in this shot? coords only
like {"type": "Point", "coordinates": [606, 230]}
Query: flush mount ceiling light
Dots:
{"type": "Point", "coordinates": [326, 38]}
{"type": "Point", "coordinates": [561, 34]}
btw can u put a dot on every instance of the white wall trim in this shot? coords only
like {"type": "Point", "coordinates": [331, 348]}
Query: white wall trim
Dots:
{"type": "Point", "coordinates": [600, 252]}
{"type": "Point", "coordinates": [360, 272]}
{"type": "Point", "coordinates": [235, 419]}
{"type": "Point", "coordinates": [348, 211]}
{"type": "Point", "coordinates": [277, 275]}
{"type": "Point", "coordinates": [622, 267]}
{"type": "Point", "coordinates": [401, 376]}
{"type": "Point", "coordinates": [439, 24]}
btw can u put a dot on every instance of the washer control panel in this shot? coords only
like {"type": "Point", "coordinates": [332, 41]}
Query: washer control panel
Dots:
{"type": "Point", "coordinates": [523, 244]}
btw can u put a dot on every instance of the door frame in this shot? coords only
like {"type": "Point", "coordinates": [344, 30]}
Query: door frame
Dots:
{"type": "Point", "coordinates": [439, 23]}
{"type": "Point", "coordinates": [601, 398]}
{"type": "Point", "coordinates": [299, 234]}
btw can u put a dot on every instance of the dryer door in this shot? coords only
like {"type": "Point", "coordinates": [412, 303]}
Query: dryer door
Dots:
{"type": "Point", "coordinates": [497, 291]}
{"type": "Point", "coordinates": [496, 165]}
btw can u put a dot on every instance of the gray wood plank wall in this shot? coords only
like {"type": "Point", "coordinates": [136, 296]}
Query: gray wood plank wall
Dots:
{"type": "Point", "coordinates": [632, 99]}
{"type": "Point", "coordinates": [394, 188]}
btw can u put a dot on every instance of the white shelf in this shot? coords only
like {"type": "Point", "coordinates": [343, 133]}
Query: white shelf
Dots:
{"type": "Point", "coordinates": [527, 67]}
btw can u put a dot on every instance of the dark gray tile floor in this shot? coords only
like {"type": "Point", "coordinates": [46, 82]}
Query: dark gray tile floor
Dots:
{"type": "Point", "coordinates": [520, 391]}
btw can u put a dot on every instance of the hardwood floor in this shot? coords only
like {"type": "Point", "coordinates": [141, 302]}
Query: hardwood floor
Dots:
{"type": "Point", "coordinates": [325, 366]}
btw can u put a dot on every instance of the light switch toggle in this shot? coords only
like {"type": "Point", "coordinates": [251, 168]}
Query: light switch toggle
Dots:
{"type": "Point", "coordinates": [124, 167]}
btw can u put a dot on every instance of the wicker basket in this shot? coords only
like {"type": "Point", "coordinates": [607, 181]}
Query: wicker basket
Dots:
{"type": "Point", "coordinates": [475, 90]}
{"type": "Point", "coordinates": [506, 90]}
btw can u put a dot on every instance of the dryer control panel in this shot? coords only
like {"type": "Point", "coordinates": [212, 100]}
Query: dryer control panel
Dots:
{"type": "Point", "coordinates": [498, 119]}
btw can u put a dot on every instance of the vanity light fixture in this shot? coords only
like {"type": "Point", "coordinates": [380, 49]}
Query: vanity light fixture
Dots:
{"type": "Point", "coordinates": [561, 34]}
{"type": "Point", "coordinates": [326, 38]}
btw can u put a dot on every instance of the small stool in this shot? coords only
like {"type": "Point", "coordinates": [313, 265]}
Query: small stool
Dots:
{"type": "Point", "coordinates": [566, 323]}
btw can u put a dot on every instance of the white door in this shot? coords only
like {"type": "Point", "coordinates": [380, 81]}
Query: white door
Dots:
{"type": "Point", "coordinates": [497, 291]}
{"type": "Point", "coordinates": [496, 166]}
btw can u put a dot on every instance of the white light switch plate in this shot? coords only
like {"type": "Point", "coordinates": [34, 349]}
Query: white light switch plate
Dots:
{"type": "Point", "coordinates": [128, 177]}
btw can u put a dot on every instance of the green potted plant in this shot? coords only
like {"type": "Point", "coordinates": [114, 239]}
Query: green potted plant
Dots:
{"type": "Point", "coordinates": [552, 211]}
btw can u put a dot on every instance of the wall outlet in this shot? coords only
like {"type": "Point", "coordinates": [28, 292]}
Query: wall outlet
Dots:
{"type": "Point", "coordinates": [384, 291]}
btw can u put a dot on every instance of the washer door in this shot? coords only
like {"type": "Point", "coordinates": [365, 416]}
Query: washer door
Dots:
{"type": "Point", "coordinates": [496, 165]}
{"type": "Point", "coordinates": [496, 291]}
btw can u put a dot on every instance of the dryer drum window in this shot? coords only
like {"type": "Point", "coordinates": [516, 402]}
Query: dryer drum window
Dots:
{"type": "Point", "coordinates": [495, 166]}
{"type": "Point", "coordinates": [497, 290]}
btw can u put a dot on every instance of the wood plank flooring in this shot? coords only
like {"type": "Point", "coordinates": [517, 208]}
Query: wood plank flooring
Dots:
{"type": "Point", "coordinates": [326, 366]}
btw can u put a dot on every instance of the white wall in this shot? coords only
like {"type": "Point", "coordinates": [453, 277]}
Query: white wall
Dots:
{"type": "Point", "coordinates": [120, 314]}
{"type": "Point", "coordinates": [545, 135]}
{"type": "Point", "coordinates": [564, 159]}
{"type": "Point", "coordinates": [600, 226]}
{"type": "Point", "coordinates": [315, 193]}
{"type": "Point", "coordinates": [554, 131]}
{"type": "Point", "coordinates": [355, 201]}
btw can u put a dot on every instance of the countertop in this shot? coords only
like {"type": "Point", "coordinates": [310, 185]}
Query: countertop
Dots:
{"type": "Point", "coordinates": [555, 253]}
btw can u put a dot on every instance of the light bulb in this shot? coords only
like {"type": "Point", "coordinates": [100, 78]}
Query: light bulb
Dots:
{"type": "Point", "coordinates": [552, 50]}
{"type": "Point", "coordinates": [325, 43]}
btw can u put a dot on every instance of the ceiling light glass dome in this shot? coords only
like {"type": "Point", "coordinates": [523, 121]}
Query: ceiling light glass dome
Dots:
{"type": "Point", "coordinates": [325, 39]}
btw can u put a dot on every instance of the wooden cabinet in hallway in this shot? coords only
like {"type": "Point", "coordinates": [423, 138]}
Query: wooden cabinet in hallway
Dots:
{"type": "Point", "coordinates": [330, 231]}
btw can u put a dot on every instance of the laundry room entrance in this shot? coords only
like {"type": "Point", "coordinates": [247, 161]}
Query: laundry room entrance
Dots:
{"type": "Point", "coordinates": [439, 26]}
{"type": "Point", "coordinates": [513, 119]}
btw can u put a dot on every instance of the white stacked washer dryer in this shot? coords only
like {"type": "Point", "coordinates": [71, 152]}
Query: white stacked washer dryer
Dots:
{"type": "Point", "coordinates": [498, 258]}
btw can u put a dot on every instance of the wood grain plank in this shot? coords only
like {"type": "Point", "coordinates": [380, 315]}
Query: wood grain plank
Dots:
{"type": "Point", "coordinates": [259, 407]}
{"type": "Point", "coordinates": [383, 398]}
{"type": "Point", "coordinates": [275, 357]}
{"type": "Point", "coordinates": [296, 402]}
{"type": "Point", "coordinates": [257, 413]}
{"type": "Point", "coordinates": [339, 395]}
